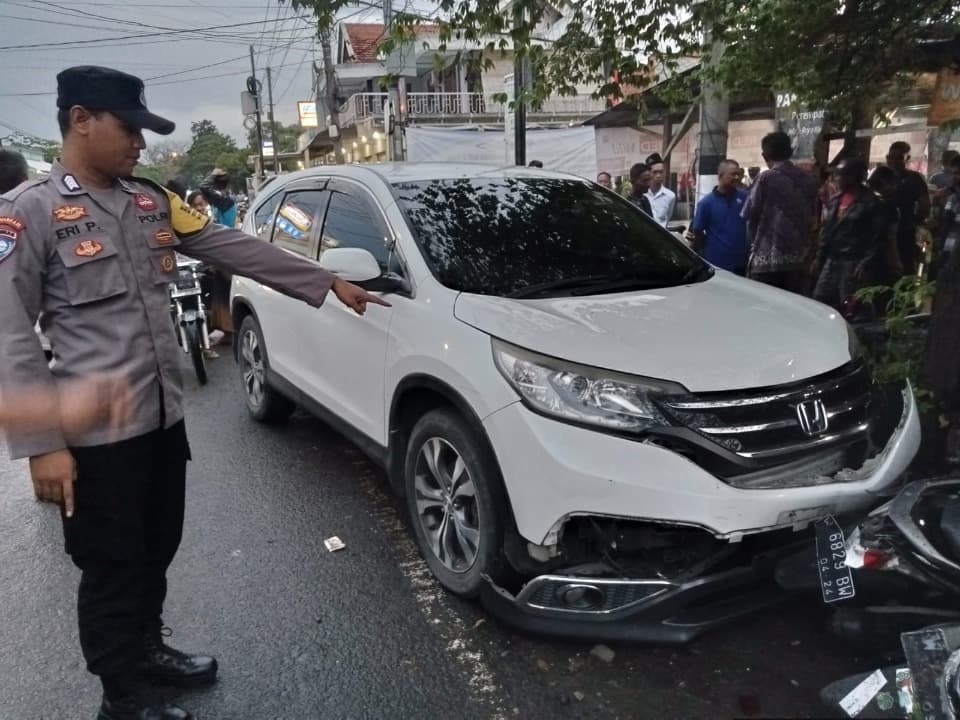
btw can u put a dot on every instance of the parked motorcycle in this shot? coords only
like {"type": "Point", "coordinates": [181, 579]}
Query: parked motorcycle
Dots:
{"type": "Point", "coordinates": [894, 571]}
{"type": "Point", "coordinates": [189, 313]}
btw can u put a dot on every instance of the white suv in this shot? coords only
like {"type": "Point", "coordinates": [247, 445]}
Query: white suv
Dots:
{"type": "Point", "coordinates": [587, 421]}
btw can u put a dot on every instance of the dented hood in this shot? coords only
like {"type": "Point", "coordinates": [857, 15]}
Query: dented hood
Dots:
{"type": "Point", "coordinates": [722, 334]}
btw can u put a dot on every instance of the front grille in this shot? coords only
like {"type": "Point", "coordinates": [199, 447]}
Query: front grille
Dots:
{"type": "Point", "coordinates": [773, 426]}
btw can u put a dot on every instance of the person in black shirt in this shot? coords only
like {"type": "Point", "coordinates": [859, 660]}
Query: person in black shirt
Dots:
{"type": "Point", "coordinates": [913, 201]}
{"type": "Point", "coordinates": [640, 178]}
{"type": "Point", "coordinates": [854, 238]}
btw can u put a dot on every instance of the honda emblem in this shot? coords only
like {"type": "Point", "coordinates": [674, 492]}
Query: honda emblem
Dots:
{"type": "Point", "coordinates": [812, 416]}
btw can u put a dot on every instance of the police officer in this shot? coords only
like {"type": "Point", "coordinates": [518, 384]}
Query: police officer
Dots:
{"type": "Point", "coordinates": [93, 249]}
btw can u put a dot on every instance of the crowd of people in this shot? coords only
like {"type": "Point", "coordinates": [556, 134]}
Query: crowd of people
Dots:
{"type": "Point", "coordinates": [828, 237]}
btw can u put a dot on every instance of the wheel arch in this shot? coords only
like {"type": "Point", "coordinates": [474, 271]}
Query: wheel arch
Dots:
{"type": "Point", "coordinates": [416, 395]}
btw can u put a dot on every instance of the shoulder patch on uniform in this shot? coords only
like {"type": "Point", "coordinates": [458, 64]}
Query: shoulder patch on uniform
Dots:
{"type": "Point", "coordinates": [69, 213]}
{"type": "Point", "coordinates": [70, 183]}
{"type": "Point", "coordinates": [10, 229]}
{"type": "Point", "coordinates": [12, 222]}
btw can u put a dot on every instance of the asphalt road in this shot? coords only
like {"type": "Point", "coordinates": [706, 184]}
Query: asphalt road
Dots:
{"type": "Point", "coordinates": [303, 634]}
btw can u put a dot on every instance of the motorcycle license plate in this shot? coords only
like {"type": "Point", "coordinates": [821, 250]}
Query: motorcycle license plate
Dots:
{"type": "Point", "coordinates": [836, 579]}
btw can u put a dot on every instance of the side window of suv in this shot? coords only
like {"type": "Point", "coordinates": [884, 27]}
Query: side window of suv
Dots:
{"type": "Point", "coordinates": [263, 217]}
{"type": "Point", "coordinates": [354, 221]}
{"type": "Point", "coordinates": [296, 219]}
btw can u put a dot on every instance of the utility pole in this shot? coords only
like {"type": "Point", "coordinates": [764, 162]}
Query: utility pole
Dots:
{"type": "Point", "coordinates": [255, 91]}
{"type": "Point", "coordinates": [396, 105]}
{"type": "Point", "coordinates": [521, 67]}
{"type": "Point", "coordinates": [273, 125]}
{"type": "Point", "coordinates": [714, 118]}
{"type": "Point", "coordinates": [330, 94]}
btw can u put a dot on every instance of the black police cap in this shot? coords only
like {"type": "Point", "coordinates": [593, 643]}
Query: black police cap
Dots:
{"type": "Point", "coordinates": [100, 88]}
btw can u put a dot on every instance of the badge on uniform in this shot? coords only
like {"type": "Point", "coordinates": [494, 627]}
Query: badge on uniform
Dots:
{"type": "Point", "coordinates": [69, 213]}
{"type": "Point", "coordinates": [164, 237]}
{"type": "Point", "coordinates": [88, 248]}
{"type": "Point", "coordinates": [144, 202]}
{"type": "Point", "coordinates": [70, 183]}
{"type": "Point", "coordinates": [166, 263]}
{"type": "Point", "coordinates": [10, 229]}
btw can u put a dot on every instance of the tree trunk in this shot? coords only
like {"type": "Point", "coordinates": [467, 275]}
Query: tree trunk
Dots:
{"type": "Point", "coordinates": [941, 373]}
{"type": "Point", "coordinates": [860, 119]}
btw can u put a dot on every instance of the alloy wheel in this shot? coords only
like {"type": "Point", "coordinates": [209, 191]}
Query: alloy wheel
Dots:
{"type": "Point", "coordinates": [447, 505]}
{"type": "Point", "coordinates": [252, 367]}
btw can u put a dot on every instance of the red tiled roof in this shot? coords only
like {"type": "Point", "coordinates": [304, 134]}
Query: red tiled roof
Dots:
{"type": "Point", "coordinates": [364, 39]}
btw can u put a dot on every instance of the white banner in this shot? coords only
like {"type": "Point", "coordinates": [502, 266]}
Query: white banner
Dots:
{"type": "Point", "coordinates": [571, 150]}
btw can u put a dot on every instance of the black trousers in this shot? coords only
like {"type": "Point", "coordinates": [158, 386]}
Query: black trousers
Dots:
{"type": "Point", "coordinates": [124, 533]}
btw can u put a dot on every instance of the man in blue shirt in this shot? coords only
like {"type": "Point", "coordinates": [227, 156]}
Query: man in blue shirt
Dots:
{"type": "Point", "coordinates": [718, 232]}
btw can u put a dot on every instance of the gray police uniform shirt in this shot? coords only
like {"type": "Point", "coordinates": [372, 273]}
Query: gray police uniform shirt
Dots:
{"type": "Point", "coordinates": [97, 265]}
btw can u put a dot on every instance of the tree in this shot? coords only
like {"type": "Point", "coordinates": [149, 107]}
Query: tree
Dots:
{"type": "Point", "coordinates": [163, 161]}
{"type": "Point", "coordinates": [211, 148]}
{"type": "Point", "coordinates": [287, 136]}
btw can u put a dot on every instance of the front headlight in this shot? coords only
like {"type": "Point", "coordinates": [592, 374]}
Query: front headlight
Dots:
{"type": "Point", "coordinates": [577, 393]}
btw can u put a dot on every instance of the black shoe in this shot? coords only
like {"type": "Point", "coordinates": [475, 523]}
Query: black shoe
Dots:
{"type": "Point", "coordinates": [131, 709]}
{"type": "Point", "coordinates": [163, 665]}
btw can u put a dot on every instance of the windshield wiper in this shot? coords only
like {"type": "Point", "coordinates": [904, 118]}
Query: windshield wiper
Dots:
{"type": "Point", "coordinates": [595, 284]}
{"type": "Point", "coordinates": [562, 284]}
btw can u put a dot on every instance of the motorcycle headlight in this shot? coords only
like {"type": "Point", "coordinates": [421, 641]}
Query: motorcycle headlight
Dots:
{"type": "Point", "coordinates": [185, 279]}
{"type": "Point", "coordinates": [581, 394]}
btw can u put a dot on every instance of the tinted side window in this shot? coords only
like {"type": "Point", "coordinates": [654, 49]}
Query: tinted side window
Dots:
{"type": "Point", "coordinates": [297, 218]}
{"type": "Point", "coordinates": [353, 220]}
{"type": "Point", "coordinates": [263, 217]}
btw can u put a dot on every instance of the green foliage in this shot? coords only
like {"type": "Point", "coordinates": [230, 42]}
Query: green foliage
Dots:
{"type": "Point", "coordinates": [830, 54]}
{"type": "Point", "coordinates": [900, 356]}
{"type": "Point", "coordinates": [211, 148]}
{"type": "Point", "coordinates": [287, 136]}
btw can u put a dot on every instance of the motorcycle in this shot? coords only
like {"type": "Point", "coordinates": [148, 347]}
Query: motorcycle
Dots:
{"type": "Point", "coordinates": [894, 574]}
{"type": "Point", "coordinates": [901, 563]}
{"type": "Point", "coordinates": [189, 313]}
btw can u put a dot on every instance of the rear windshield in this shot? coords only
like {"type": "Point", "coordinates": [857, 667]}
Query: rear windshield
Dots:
{"type": "Point", "coordinates": [496, 236]}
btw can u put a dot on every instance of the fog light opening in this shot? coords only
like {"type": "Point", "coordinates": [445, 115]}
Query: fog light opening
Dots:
{"type": "Point", "coordinates": [581, 597]}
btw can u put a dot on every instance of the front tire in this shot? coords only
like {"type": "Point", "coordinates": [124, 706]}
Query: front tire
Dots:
{"type": "Point", "coordinates": [196, 352]}
{"type": "Point", "coordinates": [456, 502]}
{"type": "Point", "coordinates": [264, 404]}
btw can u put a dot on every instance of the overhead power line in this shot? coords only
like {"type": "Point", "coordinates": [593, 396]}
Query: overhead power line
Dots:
{"type": "Point", "coordinates": [140, 36]}
{"type": "Point", "coordinates": [148, 84]}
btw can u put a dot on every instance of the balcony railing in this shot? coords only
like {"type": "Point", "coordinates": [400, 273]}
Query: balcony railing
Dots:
{"type": "Point", "coordinates": [464, 106]}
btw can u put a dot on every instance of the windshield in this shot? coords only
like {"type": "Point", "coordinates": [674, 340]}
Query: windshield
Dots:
{"type": "Point", "coordinates": [505, 236]}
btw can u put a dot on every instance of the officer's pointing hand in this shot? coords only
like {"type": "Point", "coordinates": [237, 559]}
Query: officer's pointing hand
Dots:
{"type": "Point", "coordinates": [354, 297]}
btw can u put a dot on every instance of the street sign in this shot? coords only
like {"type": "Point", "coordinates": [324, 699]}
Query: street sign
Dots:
{"type": "Point", "coordinates": [803, 125]}
{"type": "Point", "coordinates": [307, 111]}
{"type": "Point", "coordinates": [268, 146]}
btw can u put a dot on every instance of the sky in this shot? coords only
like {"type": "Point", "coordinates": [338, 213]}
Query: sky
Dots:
{"type": "Point", "coordinates": [195, 67]}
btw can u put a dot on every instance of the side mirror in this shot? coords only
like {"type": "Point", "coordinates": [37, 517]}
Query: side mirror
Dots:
{"type": "Point", "coordinates": [360, 267]}
{"type": "Point", "coordinates": [354, 265]}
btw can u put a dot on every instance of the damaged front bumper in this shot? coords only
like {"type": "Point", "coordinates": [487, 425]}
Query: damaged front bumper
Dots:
{"type": "Point", "coordinates": [560, 471]}
{"type": "Point", "coordinates": [643, 611]}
